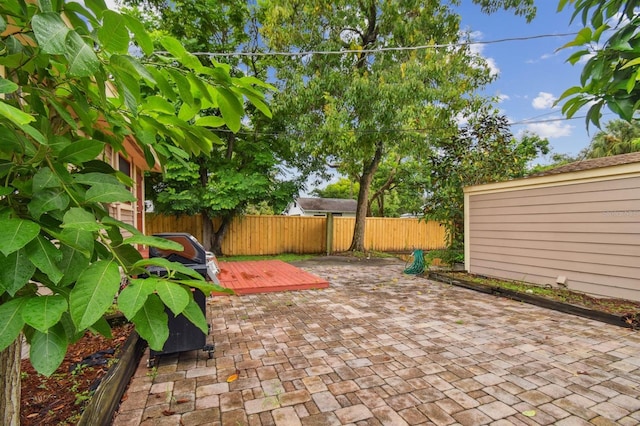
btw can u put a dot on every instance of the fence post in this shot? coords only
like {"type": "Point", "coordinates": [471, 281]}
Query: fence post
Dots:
{"type": "Point", "coordinates": [329, 226]}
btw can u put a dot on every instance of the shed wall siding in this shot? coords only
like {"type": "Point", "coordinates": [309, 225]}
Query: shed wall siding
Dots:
{"type": "Point", "coordinates": [588, 232]}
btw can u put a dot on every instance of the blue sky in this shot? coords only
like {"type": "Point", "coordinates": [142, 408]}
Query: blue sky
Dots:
{"type": "Point", "coordinates": [531, 73]}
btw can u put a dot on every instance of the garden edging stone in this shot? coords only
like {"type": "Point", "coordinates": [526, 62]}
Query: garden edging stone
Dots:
{"type": "Point", "coordinates": [105, 401]}
{"type": "Point", "coordinates": [619, 320]}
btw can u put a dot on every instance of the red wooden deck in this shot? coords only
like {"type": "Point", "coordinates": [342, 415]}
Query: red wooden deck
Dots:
{"type": "Point", "coordinates": [265, 276]}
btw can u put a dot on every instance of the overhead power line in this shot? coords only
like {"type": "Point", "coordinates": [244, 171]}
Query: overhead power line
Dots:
{"type": "Point", "coordinates": [381, 49]}
{"type": "Point", "coordinates": [400, 130]}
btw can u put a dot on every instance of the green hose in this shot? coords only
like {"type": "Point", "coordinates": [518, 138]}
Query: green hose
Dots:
{"type": "Point", "coordinates": [417, 267]}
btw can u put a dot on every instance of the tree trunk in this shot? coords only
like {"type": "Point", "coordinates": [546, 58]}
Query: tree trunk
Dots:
{"type": "Point", "coordinates": [357, 243]}
{"type": "Point", "coordinates": [218, 236]}
{"type": "Point", "coordinates": [10, 386]}
{"type": "Point", "coordinates": [378, 196]}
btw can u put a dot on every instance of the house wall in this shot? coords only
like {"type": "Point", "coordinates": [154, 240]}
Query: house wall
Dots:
{"type": "Point", "coordinates": [131, 213]}
{"type": "Point", "coordinates": [584, 226]}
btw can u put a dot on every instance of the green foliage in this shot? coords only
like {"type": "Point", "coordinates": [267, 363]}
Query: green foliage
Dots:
{"type": "Point", "coordinates": [612, 69]}
{"type": "Point", "coordinates": [618, 137]}
{"type": "Point", "coordinates": [69, 93]}
{"type": "Point", "coordinates": [344, 188]}
{"type": "Point", "coordinates": [483, 151]}
{"type": "Point", "coordinates": [556, 161]}
{"type": "Point", "coordinates": [351, 110]}
{"type": "Point", "coordinates": [448, 256]}
{"type": "Point", "coordinates": [244, 170]}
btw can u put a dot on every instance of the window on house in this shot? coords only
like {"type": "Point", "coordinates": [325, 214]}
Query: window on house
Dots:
{"type": "Point", "coordinates": [124, 165]}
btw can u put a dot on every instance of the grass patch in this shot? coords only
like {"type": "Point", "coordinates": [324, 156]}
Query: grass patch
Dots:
{"type": "Point", "coordinates": [285, 257]}
{"type": "Point", "coordinates": [366, 254]}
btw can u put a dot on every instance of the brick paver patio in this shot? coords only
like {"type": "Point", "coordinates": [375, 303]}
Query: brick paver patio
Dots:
{"type": "Point", "coordinates": [382, 348]}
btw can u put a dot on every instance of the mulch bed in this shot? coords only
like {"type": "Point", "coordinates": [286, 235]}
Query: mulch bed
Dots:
{"type": "Point", "coordinates": [61, 398]}
{"type": "Point", "coordinates": [621, 312]}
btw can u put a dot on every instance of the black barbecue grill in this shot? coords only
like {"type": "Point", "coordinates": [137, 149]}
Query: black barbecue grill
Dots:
{"type": "Point", "coordinates": [183, 334]}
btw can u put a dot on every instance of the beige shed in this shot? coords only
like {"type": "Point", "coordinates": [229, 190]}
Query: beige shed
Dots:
{"type": "Point", "coordinates": [577, 226]}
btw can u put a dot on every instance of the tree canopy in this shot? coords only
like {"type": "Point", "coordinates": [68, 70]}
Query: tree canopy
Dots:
{"type": "Point", "coordinates": [355, 108]}
{"type": "Point", "coordinates": [248, 167]}
{"type": "Point", "coordinates": [618, 137]}
{"type": "Point", "coordinates": [610, 44]}
{"type": "Point", "coordinates": [71, 88]}
{"type": "Point", "coordinates": [483, 151]}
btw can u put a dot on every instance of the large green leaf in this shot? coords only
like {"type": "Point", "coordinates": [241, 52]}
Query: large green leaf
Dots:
{"type": "Point", "coordinates": [206, 287]}
{"type": "Point", "coordinates": [16, 233]}
{"type": "Point", "coordinates": [151, 323]}
{"type": "Point", "coordinates": [135, 294]}
{"type": "Point", "coordinates": [77, 239]}
{"type": "Point", "coordinates": [83, 62]}
{"type": "Point", "coordinates": [94, 292]}
{"type": "Point", "coordinates": [7, 86]}
{"type": "Point", "coordinates": [128, 255]}
{"type": "Point", "coordinates": [108, 220]}
{"type": "Point", "coordinates": [160, 76]}
{"type": "Point", "coordinates": [140, 34]}
{"type": "Point", "coordinates": [94, 177]}
{"type": "Point", "coordinates": [129, 87]}
{"type": "Point", "coordinates": [231, 108]}
{"type": "Point", "coordinates": [14, 114]}
{"type": "Point", "coordinates": [74, 261]}
{"type": "Point", "coordinates": [48, 200]}
{"type": "Point", "coordinates": [106, 193]}
{"type": "Point", "coordinates": [45, 256]}
{"type": "Point", "coordinates": [176, 48]}
{"type": "Point", "coordinates": [48, 349]}
{"type": "Point", "coordinates": [194, 314]}
{"type": "Point", "coordinates": [161, 243]}
{"type": "Point", "coordinates": [77, 218]}
{"type": "Point", "coordinates": [81, 151]}
{"type": "Point", "coordinates": [132, 66]}
{"type": "Point", "coordinates": [102, 326]}
{"type": "Point", "coordinates": [43, 312]}
{"type": "Point", "coordinates": [210, 121]}
{"type": "Point", "coordinates": [169, 266]}
{"type": "Point", "coordinates": [51, 32]}
{"type": "Point", "coordinates": [183, 86]}
{"type": "Point", "coordinates": [158, 104]}
{"type": "Point", "coordinates": [173, 295]}
{"type": "Point", "coordinates": [113, 34]}
{"type": "Point", "coordinates": [257, 101]}
{"type": "Point", "coordinates": [62, 112]}
{"type": "Point", "coordinates": [45, 178]}
{"type": "Point", "coordinates": [11, 321]}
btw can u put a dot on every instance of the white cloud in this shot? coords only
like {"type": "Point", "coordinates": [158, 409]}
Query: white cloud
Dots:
{"type": "Point", "coordinates": [544, 100]}
{"type": "Point", "coordinates": [493, 66]}
{"type": "Point", "coordinates": [478, 49]}
{"type": "Point", "coordinates": [543, 57]}
{"type": "Point", "coordinates": [502, 98]}
{"type": "Point", "coordinates": [550, 129]}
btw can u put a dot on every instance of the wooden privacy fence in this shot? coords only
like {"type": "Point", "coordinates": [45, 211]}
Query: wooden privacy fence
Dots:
{"type": "Point", "coordinates": [269, 235]}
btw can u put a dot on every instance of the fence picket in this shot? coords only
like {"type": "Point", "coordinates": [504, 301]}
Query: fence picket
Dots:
{"type": "Point", "coordinates": [270, 235]}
